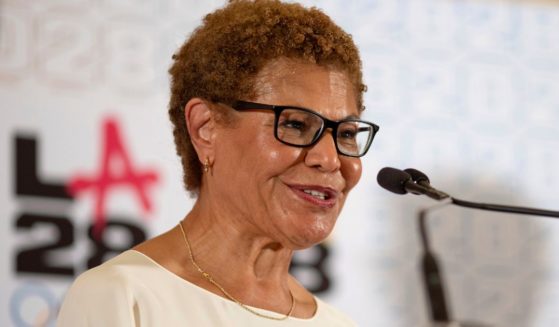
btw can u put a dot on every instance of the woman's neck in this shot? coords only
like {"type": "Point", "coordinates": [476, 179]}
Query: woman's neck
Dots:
{"type": "Point", "coordinates": [254, 269]}
{"type": "Point", "coordinates": [223, 248]}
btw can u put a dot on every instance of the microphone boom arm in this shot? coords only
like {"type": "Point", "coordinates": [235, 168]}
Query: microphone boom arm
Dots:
{"type": "Point", "coordinates": [506, 208]}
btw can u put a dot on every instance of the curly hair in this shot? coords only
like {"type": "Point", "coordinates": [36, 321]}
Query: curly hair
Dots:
{"type": "Point", "coordinates": [220, 60]}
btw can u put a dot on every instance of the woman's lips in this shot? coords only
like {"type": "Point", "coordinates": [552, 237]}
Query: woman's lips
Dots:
{"type": "Point", "coordinates": [318, 195]}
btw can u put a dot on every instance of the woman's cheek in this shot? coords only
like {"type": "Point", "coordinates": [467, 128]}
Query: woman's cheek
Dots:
{"type": "Point", "coordinates": [351, 171]}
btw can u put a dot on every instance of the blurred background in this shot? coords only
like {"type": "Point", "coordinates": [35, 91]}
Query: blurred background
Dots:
{"type": "Point", "coordinates": [466, 91]}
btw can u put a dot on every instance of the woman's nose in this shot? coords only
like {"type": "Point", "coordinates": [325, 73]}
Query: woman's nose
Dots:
{"type": "Point", "coordinates": [323, 154]}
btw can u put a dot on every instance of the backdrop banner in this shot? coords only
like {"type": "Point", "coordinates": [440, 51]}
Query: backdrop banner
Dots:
{"type": "Point", "coordinates": [466, 91]}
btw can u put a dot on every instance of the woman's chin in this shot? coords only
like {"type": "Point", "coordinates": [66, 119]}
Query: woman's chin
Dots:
{"type": "Point", "coordinates": [310, 235]}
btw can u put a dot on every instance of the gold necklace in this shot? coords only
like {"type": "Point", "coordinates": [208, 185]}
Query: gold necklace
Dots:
{"type": "Point", "coordinates": [229, 296]}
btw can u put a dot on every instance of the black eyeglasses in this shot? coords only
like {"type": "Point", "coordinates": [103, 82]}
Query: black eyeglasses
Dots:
{"type": "Point", "coordinates": [301, 127]}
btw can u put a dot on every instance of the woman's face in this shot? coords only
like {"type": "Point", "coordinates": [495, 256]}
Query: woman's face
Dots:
{"type": "Point", "coordinates": [291, 195]}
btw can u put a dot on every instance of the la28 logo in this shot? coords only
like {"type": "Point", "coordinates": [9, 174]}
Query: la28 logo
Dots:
{"type": "Point", "coordinates": [36, 193]}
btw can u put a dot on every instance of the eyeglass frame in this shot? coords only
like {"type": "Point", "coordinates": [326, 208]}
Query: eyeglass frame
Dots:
{"type": "Point", "coordinates": [240, 105]}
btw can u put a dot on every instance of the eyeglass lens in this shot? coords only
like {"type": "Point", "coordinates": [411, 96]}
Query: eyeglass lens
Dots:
{"type": "Point", "coordinates": [298, 127]}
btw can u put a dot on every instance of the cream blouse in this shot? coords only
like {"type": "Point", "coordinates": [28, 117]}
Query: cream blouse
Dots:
{"type": "Point", "coordinates": [133, 290]}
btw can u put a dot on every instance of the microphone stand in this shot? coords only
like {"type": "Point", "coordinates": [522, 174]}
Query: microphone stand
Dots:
{"type": "Point", "coordinates": [431, 273]}
{"type": "Point", "coordinates": [432, 277]}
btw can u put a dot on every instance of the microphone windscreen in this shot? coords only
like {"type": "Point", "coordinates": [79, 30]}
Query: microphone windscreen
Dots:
{"type": "Point", "coordinates": [417, 176]}
{"type": "Point", "coordinates": [393, 180]}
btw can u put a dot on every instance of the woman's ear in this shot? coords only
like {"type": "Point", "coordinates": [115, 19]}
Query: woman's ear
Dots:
{"type": "Point", "coordinates": [201, 127]}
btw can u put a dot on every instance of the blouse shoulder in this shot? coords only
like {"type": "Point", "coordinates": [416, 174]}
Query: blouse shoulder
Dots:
{"type": "Point", "coordinates": [115, 274]}
{"type": "Point", "coordinates": [104, 289]}
{"type": "Point", "coordinates": [333, 316]}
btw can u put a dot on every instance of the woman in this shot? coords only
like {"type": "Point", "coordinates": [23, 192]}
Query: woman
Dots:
{"type": "Point", "coordinates": [265, 103]}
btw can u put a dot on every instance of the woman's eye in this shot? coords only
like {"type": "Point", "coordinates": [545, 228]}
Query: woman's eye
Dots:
{"type": "Point", "coordinates": [294, 124]}
{"type": "Point", "coordinates": [348, 134]}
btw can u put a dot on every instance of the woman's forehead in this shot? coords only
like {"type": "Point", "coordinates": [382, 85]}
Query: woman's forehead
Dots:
{"type": "Point", "coordinates": [295, 82]}
{"type": "Point", "coordinates": [286, 69]}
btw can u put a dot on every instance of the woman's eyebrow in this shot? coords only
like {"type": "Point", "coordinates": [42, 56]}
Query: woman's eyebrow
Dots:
{"type": "Point", "coordinates": [352, 117]}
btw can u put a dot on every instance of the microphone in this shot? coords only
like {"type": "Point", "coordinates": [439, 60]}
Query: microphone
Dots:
{"type": "Point", "coordinates": [398, 181]}
{"type": "Point", "coordinates": [418, 177]}
{"type": "Point", "coordinates": [422, 179]}
{"type": "Point", "coordinates": [401, 182]}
